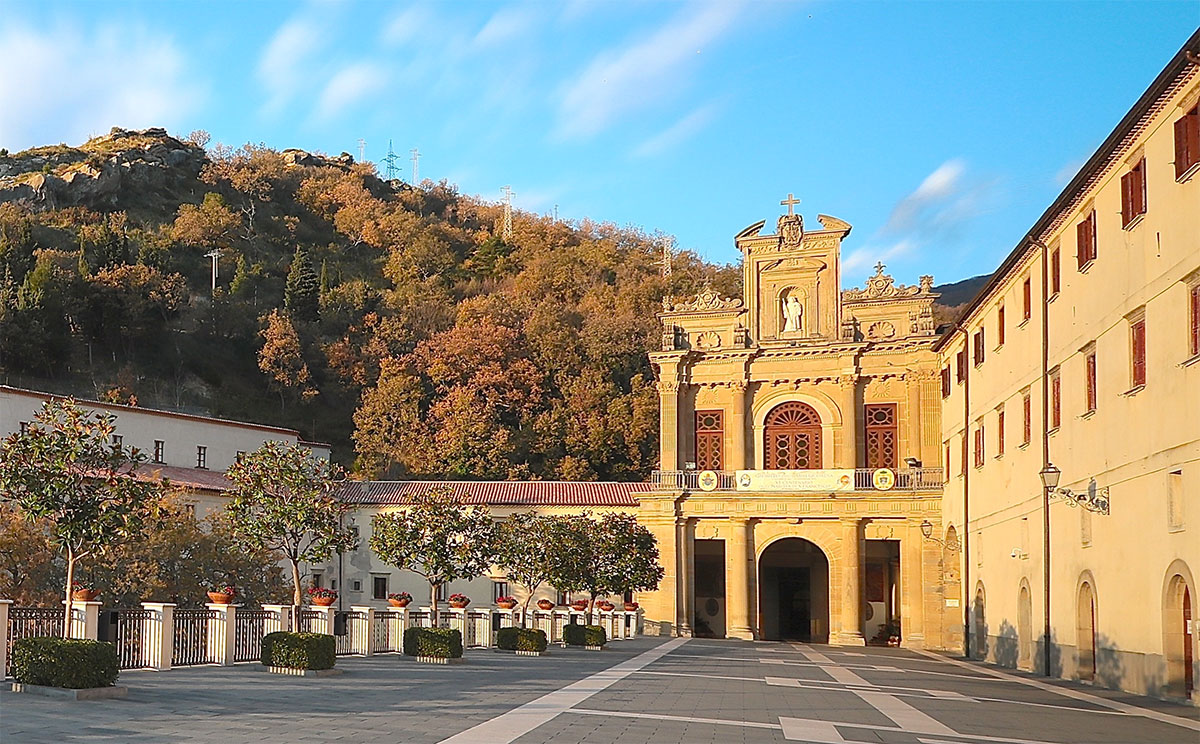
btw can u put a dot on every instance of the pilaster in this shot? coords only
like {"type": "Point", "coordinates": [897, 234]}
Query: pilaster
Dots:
{"type": "Point", "coordinates": [221, 633]}
{"type": "Point", "coordinates": [683, 584]}
{"type": "Point", "coordinates": [158, 635]}
{"type": "Point", "coordinates": [912, 579]}
{"type": "Point", "coordinates": [852, 569]}
{"type": "Point", "coordinates": [739, 562]}
{"type": "Point", "coordinates": [735, 458]}
{"type": "Point", "coordinates": [848, 386]}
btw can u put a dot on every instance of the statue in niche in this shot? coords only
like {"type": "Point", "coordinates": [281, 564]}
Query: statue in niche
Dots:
{"type": "Point", "coordinates": [793, 314]}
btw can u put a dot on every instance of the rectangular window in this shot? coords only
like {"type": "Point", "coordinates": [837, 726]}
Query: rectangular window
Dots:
{"type": "Point", "coordinates": [963, 463]}
{"type": "Point", "coordinates": [357, 585]}
{"type": "Point", "coordinates": [1027, 299]}
{"type": "Point", "coordinates": [1026, 418]}
{"type": "Point", "coordinates": [159, 446]}
{"type": "Point", "coordinates": [317, 579]}
{"type": "Point", "coordinates": [1085, 240]}
{"type": "Point", "coordinates": [201, 456]}
{"type": "Point", "coordinates": [1055, 271]}
{"type": "Point", "coordinates": [978, 347]}
{"type": "Point", "coordinates": [882, 435]}
{"type": "Point", "coordinates": [979, 446]}
{"type": "Point", "coordinates": [1000, 431]}
{"type": "Point", "coordinates": [945, 382]}
{"type": "Point", "coordinates": [1055, 400]}
{"type": "Point", "coordinates": [946, 465]}
{"type": "Point", "coordinates": [499, 589]}
{"type": "Point", "coordinates": [710, 439]}
{"type": "Point", "coordinates": [1194, 301]}
{"type": "Point", "coordinates": [960, 361]}
{"type": "Point", "coordinates": [1090, 371]}
{"type": "Point", "coordinates": [1000, 326]}
{"type": "Point", "coordinates": [1175, 500]}
{"type": "Point", "coordinates": [1187, 141]}
{"type": "Point", "coordinates": [117, 440]}
{"type": "Point", "coordinates": [379, 587]}
{"type": "Point", "coordinates": [562, 598]}
{"type": "Point", "coordinates": [1137, 344]}
{"type": "Point", "coordinates": [1133, 193]}
{"type": "Point", "coordinates": [24, 426]}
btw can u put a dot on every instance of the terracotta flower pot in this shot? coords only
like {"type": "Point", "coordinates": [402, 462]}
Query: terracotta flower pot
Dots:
{"type": "Point", "coordinates": [545, 604]}
{"type": "Point", "coordinates": [460, 604]}
{"type": "Point", "coordinates": [579, 605]}
{"type": "Point", "coordinates": [398, 602]}
{"type": "Point", "coordinates": [220, 598]}
{"type": "Point", "coordinates": [85, 595]}
{"type": "Point", "coordinates": [607, 606]}
{"type": "Point", "coordinates": [507, 605]}
{"type": "Point", "coordinates": [631, 606]}
{"type": "Point", "coordinates": [323, 601]}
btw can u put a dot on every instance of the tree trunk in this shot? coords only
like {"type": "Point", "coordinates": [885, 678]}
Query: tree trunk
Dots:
{"type": "Point", "coordinates": [592, 608]}
{"type": "Point", "coordinates": [296, 593]}
{"type": "Point", "coordinates": [66, 629]}
{"type": "Point", "coordinates": [433, 602]}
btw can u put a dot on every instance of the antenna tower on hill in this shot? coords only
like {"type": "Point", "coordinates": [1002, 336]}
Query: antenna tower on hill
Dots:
{"type": "Point", "coordinates": [362, 149]}
{"type": "Point", "coordinates": [390, 162]}
{"type": "Point", "coordinates": [416, 157]}
{"type": "Point", "coordinates": [668, 245]}
{"type": "Point", "coordinates": [508, 195]}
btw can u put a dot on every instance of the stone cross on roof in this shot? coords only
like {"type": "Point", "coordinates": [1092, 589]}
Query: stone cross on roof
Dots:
{"type": "Point", "coordinates": [790, 202]}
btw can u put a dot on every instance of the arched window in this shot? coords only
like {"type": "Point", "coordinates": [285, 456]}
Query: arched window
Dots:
{"type": "Point", "coordinates": [793, 437]}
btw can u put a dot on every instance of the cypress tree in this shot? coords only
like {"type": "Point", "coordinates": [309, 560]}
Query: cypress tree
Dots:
{"type": "Point", "coordinates": [301, 294]}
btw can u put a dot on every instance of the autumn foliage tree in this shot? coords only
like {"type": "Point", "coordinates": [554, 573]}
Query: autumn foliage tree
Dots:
{"type": "Point", "coordinates": [281, 360]}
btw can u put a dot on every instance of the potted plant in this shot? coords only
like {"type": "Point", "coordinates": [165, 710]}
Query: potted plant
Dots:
{"type": "Point", "coordinates": [607, 606]}
{"type": "Point", "coordinates": [84, 591]}
{"type": "Point", "coordinates": [579, 604]}
{"type": "Point", "coordinates": [631, 606]}
{"type": "Point", "coordinates": [399, 599]}
{"type": "Point", "coordinates": [545, 604]}
{"type": "Point", "coordinates": [506, 603]}
{"type": "Point", "coordinates": [221, 593]}
{"type": "Point", "coordinates": [459, 601]}
{"type": "Point", "coordinates": [321, 596]}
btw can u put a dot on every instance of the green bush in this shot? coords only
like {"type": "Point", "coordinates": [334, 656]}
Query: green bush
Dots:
{"type": "Point", "coordinates": [298, 650]}
{"type": "Point", "coordinates": [521, 639]}
{"type": "Point", "coordinates": [584, 635]}
{"type": "Point", "coordinates": [64, 662]}
{"type": "Point", "coordinates": [440, 643]}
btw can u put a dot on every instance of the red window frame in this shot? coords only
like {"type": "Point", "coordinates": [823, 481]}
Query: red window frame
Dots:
{"type": "Point", "coordinates": [1055, 271]}
{"type": "Point", "coordinates": [1133, 193]}
{"type": "Point", "coordinates": [1187, 141]}
{"type": "Point", "coordinates": [1137, 352]}
{"type": "Point", "coordinates": [1027, 418]}
{"type": "Point", "coordinates": [1000, 325]}
{"type": "Point", "coordinates": [1000, 431]}
{"type": "Point", "coordinates": [1090, 382]}
{"type": "Point", "coordinates": [1085, 240]}
{"type": "Point", "coordinates": [710, 439]}
{"type": "Point", "coordinates": [1055, 400]}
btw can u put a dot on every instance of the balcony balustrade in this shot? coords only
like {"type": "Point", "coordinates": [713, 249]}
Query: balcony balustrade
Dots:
{"type": "Point", "coordinates": [857, 481]}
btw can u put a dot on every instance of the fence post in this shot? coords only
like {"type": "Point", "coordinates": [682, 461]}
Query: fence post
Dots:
{"type": "Point", "coordinates": [4, 605]}
{"type": "Point", "coordinates": [397, 624]}
{"type": "Point", "coordinates": [220, 633]}
{"type": "Point", "coordinates": [280, 618]}
{"type": "Point", "coordinates": [362, 622]}
{"type": "Point", "coordinates": [323, 622]}
{"type": "Point", "coordinates": [85, 619]}
{"type": "Point", "coordinates": [158, 635]}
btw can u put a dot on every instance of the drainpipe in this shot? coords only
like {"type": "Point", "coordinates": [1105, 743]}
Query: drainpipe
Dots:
{"type": "Point", "coordinates": [1045, 444]}
{"type": "Point", "coordinates": [965, 591]}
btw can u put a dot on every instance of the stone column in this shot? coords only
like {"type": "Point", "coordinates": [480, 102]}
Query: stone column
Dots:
{"type": "Point", "coordinates": [323, 621]}
{"type": "Point", "coordinates": [668, 434]}
{"type": "Point", "coordinates": [5, 604]}
{"type": "Point", "coordinates": [912, 570]}
{"type": "Point", "coordinates": [735, 458]}
{"type": "Point", "coordinates": [659, 605]}
{"type": "Point", "coordinates": [739, 561]}
{"type": "Point", "coordinates": [220, 633]}
{"type": "Point", "coordinates": [281, 618]}
{"type": "Point", "coordinates": [849, 403]}
{"type": "Point", "coordinates": [851, 631]}
{"type": "Point", "coordinates": [683, 572]}
{"type": "Point", "coordinates": [85, 619]}
{"type": "Point", "coordinates": [361, 624]}
{"type": "Point", "coordinates": [158, 635]}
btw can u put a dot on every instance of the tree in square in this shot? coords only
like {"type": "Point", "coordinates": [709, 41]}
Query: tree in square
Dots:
{"type": "Point", "coordinates": [612, 555]}
{"type": "Point", "coordinates": [526, 548]}
{"type": "Point", "coordinates": [67, 470]}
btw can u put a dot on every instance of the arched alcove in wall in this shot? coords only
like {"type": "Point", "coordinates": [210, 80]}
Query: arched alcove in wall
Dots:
{"type": "Point", "coordinates": [1179, 642]}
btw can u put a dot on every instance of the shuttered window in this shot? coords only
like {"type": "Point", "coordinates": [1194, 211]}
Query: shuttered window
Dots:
{"type": "Point", "coordinates": [1137, 349]}
{"type": "Point", "coordinates": [1027, 299]}
{"type": "Point", "coordinates": [979, 446]}
{"type": "Point", "coordinates": [1055, 271]}
{"type": "Point", "coordinates": [1027, 419]}
{"type": "Point", "coordinates": [1195, 319]}
{"type": "Point", "coordinates": [1133, 193]}
{"type": "Point", "coordinates": [1055, 400]}
{"type": "Point", "coordinates": [1000, 431]}
{"type": "Point", "coordinates": [1187, 141]}
{"type": "Point", "coordinates": [710, 439]}
{"type": "Point", "coordinates": [1090, 382]}
{"type": "Point", "coordinates": [961, 363]}
{"type": "Point", "coordinates": [1085, 240]}
{"type": "Point", "coordinates": [978, 347]}
{"type": "Point", "coordinates": [882, 435]}
{"type": "Point", "coordinates": [946, 382]}
{"type": "Point", "coordinates": [1000, 325]}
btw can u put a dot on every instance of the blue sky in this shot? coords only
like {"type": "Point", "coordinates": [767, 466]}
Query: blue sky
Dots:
{"type": "Point", "coordinates": [940, 131]}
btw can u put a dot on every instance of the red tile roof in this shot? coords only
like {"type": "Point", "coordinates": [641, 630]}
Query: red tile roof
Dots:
{"type": "Point", "coordinates": [194, 478]}
{"type": "Point", "coordinates": [504, 493]}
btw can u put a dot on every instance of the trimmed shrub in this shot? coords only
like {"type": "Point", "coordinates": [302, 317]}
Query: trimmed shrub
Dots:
{"type": "Point", "coordinates": [298, 650]}
{"type": "Point", "coordinates": [521, 639]}
{"type": "Point", "coordinates": [440, 643]}
{"type": "Point", "coordinates": [64, 662]}
{"type": "Point", "coordinates": [584, 635]}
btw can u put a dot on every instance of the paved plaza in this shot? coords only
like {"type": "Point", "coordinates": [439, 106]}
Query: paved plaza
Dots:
{"type": "Point", "coordinates": [644, 690]}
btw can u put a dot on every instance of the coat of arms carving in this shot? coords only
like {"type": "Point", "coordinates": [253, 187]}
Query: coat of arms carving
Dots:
{"type": "Point", "coordinates": [791, 230]}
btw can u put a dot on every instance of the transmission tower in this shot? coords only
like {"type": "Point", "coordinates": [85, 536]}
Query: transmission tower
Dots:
{"type": "Point", "coordinates": [508, 195]}
{"type": "Point", "coordinates": [390, 161]}
{"type": "Point", "coordinates": [416, 157]}
{"type": "Point", "coordinates": [668, 245]}
{"type": "Point", "coordinates": [362, 149]}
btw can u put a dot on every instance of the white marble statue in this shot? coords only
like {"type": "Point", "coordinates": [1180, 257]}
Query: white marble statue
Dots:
{"type": "Point", "coordinates": [793, 311]}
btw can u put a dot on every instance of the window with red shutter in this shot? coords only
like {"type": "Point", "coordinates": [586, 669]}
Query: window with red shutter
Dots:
{"type": "Point", "coordinates": [1195, 322]}
{"type": "Point", "coordinates": [946, 382]}
{"type": "Point", "coordinates": [1027, 299]}
{"type": "Point", "coordinates": [1027, 419]}
{"type": "Point", "coordinates": [1133, 193]}
{"type": "Point", "coordinates": [1000, 325]}
{"type": "Point", "coordinates": [960, 361]}
{"type": "Point", "coordinates": [1055, 271]}
{"type": "Point", "coordinates": [1085, 237]}
{"type": "Point", "coordinates": [979, 446]}
{"type": "Point", "coordinates": [946, 465]}
{"type": "Point", "coordinates": [978, 347]}
{"type": "Point", "coordinates": [1137, 344]}
{"type": "Point", "coordinates": [1090, 391]}
{"type": "Point", "coordinates": [882, 435]}
{"type": "Point", "coordinates": [963, 465]}
{"type": "Point", "coordinates": [1055, 401]}
{"type": "Point", "coordinates": [1000, 431]}
{"type": "Point", "coordinates": [1187, 142]}
{"type": "Point", "coordinates": [710, 440]}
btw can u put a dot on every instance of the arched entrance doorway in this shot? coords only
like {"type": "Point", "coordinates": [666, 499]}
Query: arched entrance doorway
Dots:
{"type": "Point", "coordinates": [1024, 629]}
{"type": "Point", "coordinates": [793, 592]}
{"type": "Point", "coordinates": [1085, 631]}
{"type": "Point", "coordinates": [979, 630]}
{"type": "Point", "coordinates": [1179, 641]}
{"type": "Point", "coordinates": [793, 437]}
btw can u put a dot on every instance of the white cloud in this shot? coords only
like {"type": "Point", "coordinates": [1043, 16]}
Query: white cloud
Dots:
{"type": "Point", "coordinates": [58, 84]}
{"type": "Point", "coordinates": [282, 64]}
{"type": "Point", "coordinates": [677, 132]}
{"type": "Point", "coordinates": [348, 87]}
{"type": "Point", "coordinates": [504, 25]}
{"type": "Point", "coordinates": [407, 25]}
{"type": "Point", "coordinates": [868, 256]}
{"type": "Point", "coordinates": [618, 81]}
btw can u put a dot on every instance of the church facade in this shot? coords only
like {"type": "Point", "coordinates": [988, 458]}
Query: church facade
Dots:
{"type": "Point", "coordinates": [799, 495]}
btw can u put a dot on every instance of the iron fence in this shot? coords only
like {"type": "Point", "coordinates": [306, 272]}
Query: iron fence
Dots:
{"type": "Point", "coordinates": [191, 636]}
{"type": "Point", "coordinates": [31, 622]}
{"type": "Point", "coordinates": [381, 633]}
{"type": "Point", "coordinates": [306, 619]}
{"type": "Point", "coordinates": [248, 630]}
{"type": "Point", "coordinates": [345, 643]}
{"type": "Point", "coordinates": [131, 625]}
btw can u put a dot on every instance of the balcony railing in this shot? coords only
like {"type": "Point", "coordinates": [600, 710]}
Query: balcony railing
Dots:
{"type": "Point", "coordinates": [859, 480]}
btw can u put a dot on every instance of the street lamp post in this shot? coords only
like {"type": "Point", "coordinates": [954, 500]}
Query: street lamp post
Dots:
{"type": "Point", "coordinates": [1050, 475]}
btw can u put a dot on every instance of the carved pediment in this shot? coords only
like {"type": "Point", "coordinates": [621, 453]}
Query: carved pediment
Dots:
{"type": "Point", "coordinates": [706, 300]}
{"type": "Point", "coordinates": [882, 286]}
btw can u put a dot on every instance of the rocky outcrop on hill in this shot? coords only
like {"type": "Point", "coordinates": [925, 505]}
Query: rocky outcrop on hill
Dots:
{"type": "Point", "coordinates": [99, 173]}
